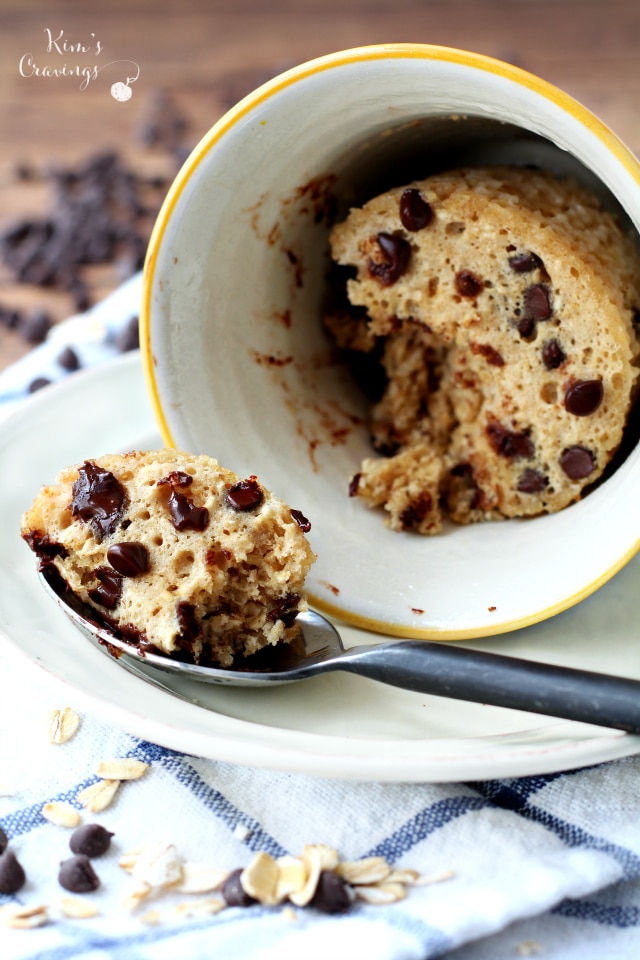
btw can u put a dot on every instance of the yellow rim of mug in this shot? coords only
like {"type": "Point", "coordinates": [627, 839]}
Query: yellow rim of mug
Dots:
{"type": "Point", "coordinates": [260, 95]}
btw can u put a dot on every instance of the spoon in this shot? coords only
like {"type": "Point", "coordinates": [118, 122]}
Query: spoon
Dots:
{"type": "Point", "coordinates": [422, 666]}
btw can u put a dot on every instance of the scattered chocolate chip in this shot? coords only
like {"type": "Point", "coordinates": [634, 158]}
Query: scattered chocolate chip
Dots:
{"type": "Point", "coordinates": [415, 211]}
{"type": "Point", "coordinates": [129, 337]}
{"type": "Point", "coordinates": [91, 839]}
{"type": "Point", "coordinates": [354, 483]}
{"type": "Point", "coordinates": [9, 317]}
{"type": "Point", "coordinates": [4, 841]}
{"type": "Point", "coordinates": [38, 384]}
{"type": "Point", "coordinates": [12, 876]}
{"type": "Point", "coordinates": [508, 443]}
{"type": "Point", "coordinates": [164, 124]}
{"type": "Point", "coordinates": [537, 302]}
{"type": "Point", "coordinates": [98, 498]}
{"type": "Point", "coordinates": [577, 462]}
{"type": "Point", "coordinates": [553, 356]}
{"type": "Point", "coordinates": [332, 893]}
{"type": "Point", "coordinates": [395, 254]}
{"type": "Point", "coordinates": [129, 558]}
{"type": "Point", "coordinates": [525, 262]}
{"type": "Point", "coordinates": [413, 514]}
{"type": "Point", "coordinates": [233, 892]}
{"type": "Point", "coordinates": [77, 875]}
{"type": "Point", "coordinates": [583, 397]}
{"type": "Point", "coordinates": [35, 325]}
{"type": "Point", "coordinates": [245, 495]}
{"type": "Point", "coordinates": [468, 284]}
{"type": "Point", "coordinates": [109, 589]}
{"type": "Point", "coordinates": [491, 355]}
{"type": "Point", "coordinates": [68, 359]}
{"type": "Point", "coordinates": [301, 520]}
{"type": "Point", "coordinates": [532, 481]}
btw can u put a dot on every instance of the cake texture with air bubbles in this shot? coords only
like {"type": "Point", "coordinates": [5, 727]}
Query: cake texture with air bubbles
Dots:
{"type": "Point", "coordinates": [175, 553]}
{"type": "Point", "coordinates": [503, 303]}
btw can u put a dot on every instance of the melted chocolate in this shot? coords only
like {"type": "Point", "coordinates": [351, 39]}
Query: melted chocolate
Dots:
{"type": "Point", "coordinates": [109, 588]}
{"type": "Point", "coordinates": [98, 499]}
{"type": "Point", "coordinates": [185, 515]}
{"type": "Point", "coordinates": [245, 495]}
{"type": "Point", "coordinates": [129, 558]}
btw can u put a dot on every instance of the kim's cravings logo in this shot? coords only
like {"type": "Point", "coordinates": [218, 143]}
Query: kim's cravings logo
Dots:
{"type": "Point", "coordinates": [65, 58]}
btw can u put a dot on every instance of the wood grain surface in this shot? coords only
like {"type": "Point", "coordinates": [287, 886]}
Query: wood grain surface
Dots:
{"type": "Point", "coordinates": [206, 55]}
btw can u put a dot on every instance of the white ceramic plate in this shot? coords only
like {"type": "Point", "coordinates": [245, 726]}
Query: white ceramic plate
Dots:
{"type": "Point", "coordinates": [336, 725]}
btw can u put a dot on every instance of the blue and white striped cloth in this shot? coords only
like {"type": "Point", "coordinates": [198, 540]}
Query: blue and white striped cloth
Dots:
{"type": "Point", "coordinates": [543, 866]}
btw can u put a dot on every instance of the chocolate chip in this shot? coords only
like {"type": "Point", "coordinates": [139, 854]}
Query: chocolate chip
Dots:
{"type": "Point", "coordinates": [109, 590]}
{"type": "Point", "coordinates": [38, 384]}
{"type": "Point", "coordinates": [526, 327]}
{"type": "Point", "coordinates": [4, 841]}
{"type": "Point", "coordinates": [233, 892]}
{"type": "Point", "coordinates": [577, 462]}
{"type": "Point", "coordinates": [187, 621]}
{"type": "Point", "coordinates": [532, 481]}
{"type": "Point", "coordinates": [468, 284]}
{"type": "Point", "coordinates": [91, 839]}
{"type": "Point", "coordinates": [415, 211]}
{"type": "Point", "coordinates": [129, 337]}
{"type": "Point", "coordinates": [185, 515]}
{"type": "Point", "coordinates": [9, 317]}
{"type": "Point", "coordinates": [286, 610]}
{"type": "Point", "coordinates": [413, 514]}
{"type": "Point", "coordinates": [583, 397]}
{"type": "Point", "coordinates": [301, 520]}
{"type": "Point", "coordinates": [395, 255]}
{"type": "Point", "coordinates": [129, 558]}
{"type": "Point", "coordinates": [332, 893]}
{"type": "Point", "coordinates": [245, 495]}
{"type": "Point", "coordinates": [68, 359]}
{"type": "Point", "coordinates": [553, 355]}
{"type": "Point", "coordinates": [77, 875]}
{"type": "Point", "coordinates": [354, 483]}
{"type": "Point", "coordinates": [537, 302]}
{"type": "Point", "coordinates": [508, 443]}
{"type": "Point", "coordinates": [98, 498]}
{"type": "Point", "coordinates": [12, 876]}
{"type": "Point", "coordinates": [35, 325]}
{"type": "Point", "coordinates": [525, 262]}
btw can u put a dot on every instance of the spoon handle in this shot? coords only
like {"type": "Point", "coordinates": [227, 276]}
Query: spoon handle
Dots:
{"type": "Point", "coordinates": [465, 674]}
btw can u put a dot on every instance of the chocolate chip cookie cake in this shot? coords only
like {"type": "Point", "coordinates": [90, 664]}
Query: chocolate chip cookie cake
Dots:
{"type": "Point", "coordinates": [501, 302]}
{"type": "Point", "coordinates": [175, 553]}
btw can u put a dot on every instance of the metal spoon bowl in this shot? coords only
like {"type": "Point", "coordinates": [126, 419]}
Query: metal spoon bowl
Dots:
{"type": "Point", "coordinates": [431, 667]}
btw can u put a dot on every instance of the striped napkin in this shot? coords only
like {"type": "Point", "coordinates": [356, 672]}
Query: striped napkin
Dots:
{"type": "Point", "coordinates": [543, 865]}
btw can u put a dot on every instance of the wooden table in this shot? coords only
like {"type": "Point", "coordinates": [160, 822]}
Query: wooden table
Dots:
{"type": "Point", "coordinates": [208, 53]}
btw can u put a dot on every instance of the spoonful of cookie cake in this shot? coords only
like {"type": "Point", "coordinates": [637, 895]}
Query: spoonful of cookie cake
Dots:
{"type": "Point", "coordinates": [171, 560]}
